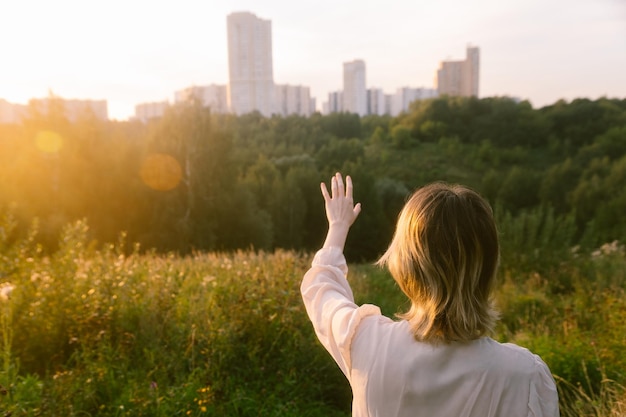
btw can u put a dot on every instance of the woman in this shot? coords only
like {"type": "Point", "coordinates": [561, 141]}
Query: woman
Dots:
{"type": "Point", "coordinates": [438, 360]}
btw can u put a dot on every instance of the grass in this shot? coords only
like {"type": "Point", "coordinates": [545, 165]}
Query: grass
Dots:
{"type": "Point", "coordinates": [103, 332]}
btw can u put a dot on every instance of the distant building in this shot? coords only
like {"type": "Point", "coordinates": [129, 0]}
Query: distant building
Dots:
{"type": "Point", "coordinates": [404, 96]}
{"type": "Point", "coordinates": [293, 99]}
{"type": "Point", "coordinates": [460, 78]}
{"type": "Point", "coordinates": [153, 110]}
{"type": "Point", "coordinates": [334, 103]}
{"type": "Point", "coordinates": [388, 103]}
{"type": "Point", "coordinates": [354, 90]}
{"type": "Point", "coordinates": [73, 109]}
{"type": "Point", "coordinates": [250, 67]}
{"type": "Point", "coordinates": [11, 113]}
{"type": "Point", "coordinates": [213, 96]}
{"type": "Point", "coordinates": [313, 104]}
{"type": "Point", "coordinates": [376, 101]}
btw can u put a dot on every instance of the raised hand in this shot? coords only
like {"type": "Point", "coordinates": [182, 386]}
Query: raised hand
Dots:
{"type": "Point", "coordinates": [341, 211]}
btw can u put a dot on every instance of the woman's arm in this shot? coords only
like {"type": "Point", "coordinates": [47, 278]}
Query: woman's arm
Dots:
{"type": "Point", "coordinates": [325, 291]}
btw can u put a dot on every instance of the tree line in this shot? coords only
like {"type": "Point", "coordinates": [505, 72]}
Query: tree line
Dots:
{"type": "Point", "coordinates": [197, 181]}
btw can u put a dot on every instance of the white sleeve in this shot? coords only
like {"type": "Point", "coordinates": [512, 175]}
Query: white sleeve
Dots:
{"type": "Point", "coordinates": [329, 302]}
{"type": "Point", "coordinates": [543, 400]}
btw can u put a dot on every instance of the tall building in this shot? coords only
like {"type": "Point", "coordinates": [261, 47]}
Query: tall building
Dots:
{"type": "Point", "coordinates": [404, 96]}
{"type": "Point", "coordinates": [375, 101]}
{"type": "Point", "coordinates": [250, 68]}
{"type": "Point", "coordinates": [334, 103]}
{"type": "Point", "coordinates": [293, 99]}
{"type": "Point", "coordinates": [313, 104]}
{"type": "Point", "coordinates": [213, 96]}
{"type": "Point", "coordinates": [460, 78]}
{"type": "Point", "coordinates": [354, 90]}
{"type": "Point", "coordinates": [472, 72]}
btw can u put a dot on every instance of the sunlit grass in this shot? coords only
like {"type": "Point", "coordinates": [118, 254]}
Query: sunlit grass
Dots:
{"type": "Point", "coordinates": [608, 399]}
{"type": "Point", "coordinates": [101, 331]}
{"type": "Point", "coordinates": [108, 333]}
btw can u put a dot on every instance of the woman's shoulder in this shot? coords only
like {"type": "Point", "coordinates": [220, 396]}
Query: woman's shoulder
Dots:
{"type": "Point", "coordinates": [517, 356]}
{"type": "Point", "coordinates": [543, 396]}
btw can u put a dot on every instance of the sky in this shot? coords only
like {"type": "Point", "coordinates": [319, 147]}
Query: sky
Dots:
{"type": "Point", "coordinates": [133, 51]}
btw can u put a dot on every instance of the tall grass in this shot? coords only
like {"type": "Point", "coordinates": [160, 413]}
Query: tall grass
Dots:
{"type": "Point", "coordinates": [114, 332]}
{"type": "Point", "coordinates": [99, 332]}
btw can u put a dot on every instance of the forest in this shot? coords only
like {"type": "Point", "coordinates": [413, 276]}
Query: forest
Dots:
{"type": "Point", "coordinates": [198, 181]}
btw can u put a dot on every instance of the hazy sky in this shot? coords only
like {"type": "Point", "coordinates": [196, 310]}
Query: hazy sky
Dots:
{"type": "Point", "coordinates": [133, 51]}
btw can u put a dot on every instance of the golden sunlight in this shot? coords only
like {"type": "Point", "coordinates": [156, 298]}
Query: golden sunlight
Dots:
{"type": "Point", "coordinates": [48, 142]}
{"type": "Point", "coordinates": [161, 172]}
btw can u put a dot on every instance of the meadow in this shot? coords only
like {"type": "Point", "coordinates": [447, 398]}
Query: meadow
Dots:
{"type": "Point", "coordinates": [116, 331]}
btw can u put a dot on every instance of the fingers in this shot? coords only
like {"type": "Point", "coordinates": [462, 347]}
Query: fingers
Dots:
{"type": "Point", "coordinates": [348, 186]}
{"type": "Point", "coordinates": [325, 192]}
{"type": "Point", "coordinates": [340, 187]}
{"type": "Point", "coordinates": [337, 188]}
{"type": "Point", "coordinates": [334, 186]}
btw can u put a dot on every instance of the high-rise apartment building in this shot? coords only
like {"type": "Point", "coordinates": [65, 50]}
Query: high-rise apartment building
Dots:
{"type": "Point", "coordinates": [375, 101]}
{"type": "Point", "coordinates": [404, 96]}
{"type": "Point", "coordinates": [460, 78]}
{"type": "Point", "coordinates": [354, 90]}
{"type": "Point", "coordinates": [334, 103]}
{"type": "Point", "coordinates": [293, 99]}
{"type": "Point", "coordinates": [250, 68]}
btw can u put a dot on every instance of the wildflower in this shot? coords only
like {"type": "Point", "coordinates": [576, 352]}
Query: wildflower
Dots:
{"type": "Point", "coordinates": [153, 385]}
{"type": "Point", "coordinates": [5, 290]}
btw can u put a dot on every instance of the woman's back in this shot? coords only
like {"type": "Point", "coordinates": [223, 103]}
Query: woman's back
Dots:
{"type": "Point", "coordinates": [394, 375]}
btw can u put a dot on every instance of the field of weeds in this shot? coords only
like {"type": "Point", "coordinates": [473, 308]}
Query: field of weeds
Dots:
{"type": "Point", "coordinates": [108, 331]}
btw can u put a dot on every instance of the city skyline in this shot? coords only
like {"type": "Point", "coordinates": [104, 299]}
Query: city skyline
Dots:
{"type": "Point", "coordinates": [130, 53]}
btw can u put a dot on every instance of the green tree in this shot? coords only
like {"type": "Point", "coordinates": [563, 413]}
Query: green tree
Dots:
{"type": "Point", "coordinates": [557, 183]}
{"type": "Point", "coordinates": [519, 189]}
{"type": "Point", "coordinates": [401, 137]}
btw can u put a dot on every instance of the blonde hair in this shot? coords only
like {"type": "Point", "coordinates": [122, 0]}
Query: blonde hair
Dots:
{"type": "Point", "coordinates": [444, 256]}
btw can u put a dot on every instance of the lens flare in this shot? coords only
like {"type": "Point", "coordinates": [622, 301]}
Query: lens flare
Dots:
{"type": "Point", "coordinates": [161, 172]}
{"type": "Point", "coordinates": [48, 142]}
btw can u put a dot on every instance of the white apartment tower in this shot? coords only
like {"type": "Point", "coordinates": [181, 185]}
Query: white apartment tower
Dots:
{"type": "Point", "coordinates": [460, 78]}
{"type": "Point", "coordinates": [404, 96]}
{"type": "Point", "coordinates": [354, 90]}
{"type": "Point", "coordinates": [375, 101]}
{"type": "Point", "coordinates": [293, 99]}
{"type": "Point", "coordinates": [250, 68]}
{"type": "Point", "coordinates": [334, 103]}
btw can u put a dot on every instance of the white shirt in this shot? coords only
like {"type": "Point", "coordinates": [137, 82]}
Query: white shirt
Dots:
{"type": "Point", "coordinates": [392, 374]}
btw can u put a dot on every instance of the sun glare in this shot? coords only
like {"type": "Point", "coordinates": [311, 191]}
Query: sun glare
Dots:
{"type": "Point", "coordinates": [161, 172]}
{"type": "Point", "coordinates": [48, 142]}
